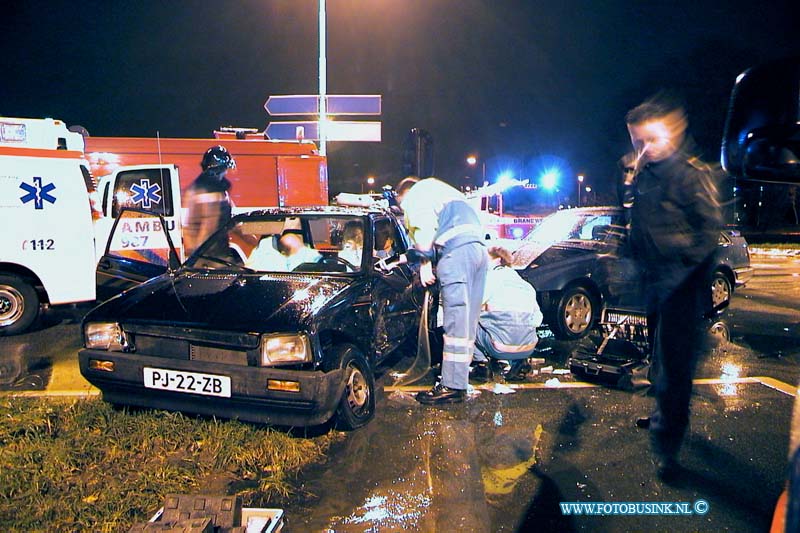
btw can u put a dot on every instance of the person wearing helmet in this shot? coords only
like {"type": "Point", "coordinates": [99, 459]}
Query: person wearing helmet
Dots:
{"type": "Point", "coordinates": [208, 205]}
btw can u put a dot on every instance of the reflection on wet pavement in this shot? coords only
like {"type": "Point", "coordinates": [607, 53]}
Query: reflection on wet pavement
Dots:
{"type": "Point", "coordinates": [27, 361]}
{"type": "Point", "coordinates": [22, 370]}
{"type": "Point", "coordinates": [504, 462]}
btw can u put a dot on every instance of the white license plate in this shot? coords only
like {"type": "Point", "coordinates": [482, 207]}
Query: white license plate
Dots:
{"type": "Point", "coordinates": [190, 382]}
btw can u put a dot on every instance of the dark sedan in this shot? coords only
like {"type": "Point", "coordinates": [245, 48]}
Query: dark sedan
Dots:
{"type": "Point", "coordinates": [266, 332]}
{"type": "Point", "coordinates": [579, 262]}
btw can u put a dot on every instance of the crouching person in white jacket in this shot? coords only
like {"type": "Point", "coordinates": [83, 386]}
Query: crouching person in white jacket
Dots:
{"type": "Point", "coordinates": [509, 317]}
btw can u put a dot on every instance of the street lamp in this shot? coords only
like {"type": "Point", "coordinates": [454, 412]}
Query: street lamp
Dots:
{"type": "Point", "coordinates": [370, 182]}
{"type": "Point", "coordinates": [580, 184]}
{"type": "Point", "coordinates": [472, 160]}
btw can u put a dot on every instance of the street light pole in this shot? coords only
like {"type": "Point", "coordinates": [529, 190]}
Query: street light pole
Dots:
{"type": "Point", "coordinates": [323, 80]}
{"type": "Point", "coordinates": [580, 184]}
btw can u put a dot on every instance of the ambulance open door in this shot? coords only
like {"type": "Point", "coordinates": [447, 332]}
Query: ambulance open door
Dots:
{"type": "Point", "coordinates": [139, 248]}
{"type": "Point", "coordinates": [153, 189]}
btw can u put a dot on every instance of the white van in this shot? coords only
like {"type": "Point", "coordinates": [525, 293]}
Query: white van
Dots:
{"type": "Point", "coordinates": [47, 254]}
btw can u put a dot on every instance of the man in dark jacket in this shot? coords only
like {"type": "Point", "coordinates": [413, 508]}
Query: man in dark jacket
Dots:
{"type": "Point", "coordinates": [675, 222]}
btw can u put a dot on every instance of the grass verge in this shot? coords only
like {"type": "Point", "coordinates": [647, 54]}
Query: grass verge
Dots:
{"type": "Point", "coordinates": [85, 466]}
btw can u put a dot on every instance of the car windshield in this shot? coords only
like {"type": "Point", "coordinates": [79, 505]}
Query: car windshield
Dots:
{"type": "Point", "coordinates": [285, 243]}
{"type": "Point", "coordinates": [572, 224]}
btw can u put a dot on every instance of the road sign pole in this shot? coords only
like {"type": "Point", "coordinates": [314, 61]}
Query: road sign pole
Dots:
{"type": "Point", "coordinates": [323, 80]}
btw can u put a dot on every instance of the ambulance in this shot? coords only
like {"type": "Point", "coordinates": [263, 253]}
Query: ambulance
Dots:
{"type": "Point", "coordinates": [47, 251]}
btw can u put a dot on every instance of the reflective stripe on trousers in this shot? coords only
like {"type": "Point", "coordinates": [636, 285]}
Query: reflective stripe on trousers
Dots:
{"type": "Point", "coordinates": [462, 275]}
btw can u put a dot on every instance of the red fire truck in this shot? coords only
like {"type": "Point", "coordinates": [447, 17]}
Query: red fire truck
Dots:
{"type": "Point", "coordinates": [511, 209]}
{"type": "Point", "coordinates": [267, 173]}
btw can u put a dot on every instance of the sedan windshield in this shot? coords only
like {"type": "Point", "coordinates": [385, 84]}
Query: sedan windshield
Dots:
{"type": "Point", "coordinates": [279, 243]}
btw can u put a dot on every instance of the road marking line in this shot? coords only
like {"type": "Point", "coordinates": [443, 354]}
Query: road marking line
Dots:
{"type": "Point", "coordinates": [779, 385]}
{"type": "Point", "coordinates": [763, 380]}
{"type": "Point", "coordinates": [489, 387]}
{"type": "Point", "coordinates": [51, 393]}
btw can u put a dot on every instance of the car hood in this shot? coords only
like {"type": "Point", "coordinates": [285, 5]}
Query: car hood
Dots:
{"type": "Point", "coordinates": [225, 301]}
{"type": "Point", "coordinates": [530, 251]}
{"type": "Point", "coordinates": [525, 254]}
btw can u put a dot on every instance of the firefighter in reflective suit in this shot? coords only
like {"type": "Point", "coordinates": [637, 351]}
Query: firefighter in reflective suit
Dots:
{"type": "Point", "coordinates": [446, 231]}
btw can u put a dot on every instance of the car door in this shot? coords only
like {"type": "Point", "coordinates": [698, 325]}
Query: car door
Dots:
{"type": "Point", "coordinates": [139, 248]}
{"type": "Point", "coordinates": [151, 188]}
{"type": "Point", "coordinates": [397, 295]}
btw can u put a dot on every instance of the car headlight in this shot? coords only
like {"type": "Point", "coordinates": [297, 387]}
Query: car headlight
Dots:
{"type": "Point", "coordinates": [284, 349]}
{"type": "Point", "coordinates": [105, 336]}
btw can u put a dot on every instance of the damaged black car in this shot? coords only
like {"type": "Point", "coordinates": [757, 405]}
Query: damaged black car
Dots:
{"type": "Point", "coordinates": [285, 327]}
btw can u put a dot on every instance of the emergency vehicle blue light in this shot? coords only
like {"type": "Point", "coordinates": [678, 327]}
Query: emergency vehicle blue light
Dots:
{"type": "Point", "coordinates": [517, 232]}
{"type": "Point", "coordinates": [549, 179]}
{"type": "Point", "coordinates": [505, 178]}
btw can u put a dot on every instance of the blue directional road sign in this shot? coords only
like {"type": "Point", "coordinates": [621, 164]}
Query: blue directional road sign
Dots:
{"type": "Point", "coordinates": [288, 131]}
{"type": "Point", "coordinates": [293, 104]}
{"type": "Point", "coordinates": [353, 104]}
{"type": "Point", "coordinates": [338, 130]}
{"type": "Point", "coordinates": [336, 104]}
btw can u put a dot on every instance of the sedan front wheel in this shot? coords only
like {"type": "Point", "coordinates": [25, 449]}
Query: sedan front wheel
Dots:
{"type": "Point", "coordinates": [721, 290]}
{"type": "Point", "coordinates": [574, 315]}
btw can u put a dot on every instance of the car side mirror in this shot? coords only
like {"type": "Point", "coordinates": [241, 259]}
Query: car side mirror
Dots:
{"type": "Point", "coordinates": [772, 160]}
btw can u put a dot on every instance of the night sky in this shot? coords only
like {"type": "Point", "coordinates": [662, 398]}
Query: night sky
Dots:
{"type": "Point", "coordinates": [516, 82]}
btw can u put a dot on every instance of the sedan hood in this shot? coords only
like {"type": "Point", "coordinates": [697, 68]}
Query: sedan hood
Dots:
{"type": "Point", "coordinates": [530, 251]}
{"type": "Point", "coordinates": [225, 301]}
{"type": "Point", "coordinates": [525, 254]}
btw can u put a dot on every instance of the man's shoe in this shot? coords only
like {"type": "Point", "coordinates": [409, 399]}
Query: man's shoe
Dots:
{"type": "Point", "coordinates": [643, 422]}
{"type": "Point", "coordinates": [667, 469]}
{"type": "Point", "coordinates": [517, 371]}
{"type": "Point", "coordinates": [481, 373]}
{"type": "Point", "coordinates": [440, 394]}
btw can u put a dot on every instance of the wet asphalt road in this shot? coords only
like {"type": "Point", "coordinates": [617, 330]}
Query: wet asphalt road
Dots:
{"type": "Point", "coordinates": [503, 462]}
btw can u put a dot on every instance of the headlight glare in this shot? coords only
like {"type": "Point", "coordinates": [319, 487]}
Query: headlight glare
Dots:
{"type": "Point", "coordinates": [285, 349]}
{"type": "Point", "coordinates": [105, 336]}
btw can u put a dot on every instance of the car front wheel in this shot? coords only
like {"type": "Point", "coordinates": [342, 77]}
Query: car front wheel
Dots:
{"type": "Point", "coordinates": [574, 315]}
{"type": "Point", "coordinates": [721, 290]}
{"type": "Point", "coordinates": [357, 405]}
{"type": "Point", "coordinates": [19, 305]}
